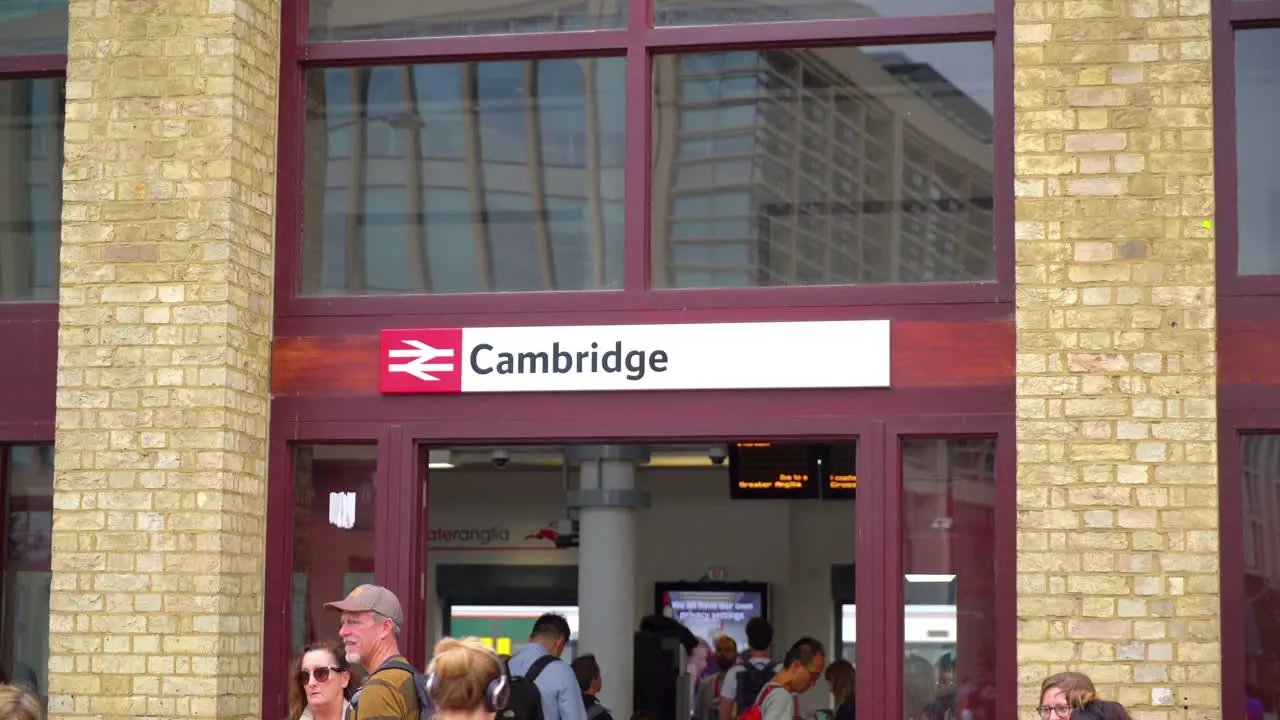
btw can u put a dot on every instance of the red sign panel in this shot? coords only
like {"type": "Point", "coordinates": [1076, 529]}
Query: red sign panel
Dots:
{"type": "Point", "coordinates": [421, 361]}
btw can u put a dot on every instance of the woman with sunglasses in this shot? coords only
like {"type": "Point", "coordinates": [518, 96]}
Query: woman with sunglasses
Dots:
{"type": "Point", "coordinates": [466, 680]}
{"type": "Point", "coordinates": [322, 683]}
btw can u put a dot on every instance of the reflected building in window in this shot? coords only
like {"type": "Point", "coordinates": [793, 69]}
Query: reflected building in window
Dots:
{"type": "Point", "coordinates": [465, 177]}
{"type": "Point", "coordinates": [344, 20]}
{"type": "Point", "coordinates": [771, 168]}
{"type": "Point", "coordinates": [818, 167]}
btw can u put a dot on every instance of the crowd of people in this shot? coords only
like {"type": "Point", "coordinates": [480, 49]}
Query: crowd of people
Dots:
{"type": "Point", "coordinates": [467, 680]}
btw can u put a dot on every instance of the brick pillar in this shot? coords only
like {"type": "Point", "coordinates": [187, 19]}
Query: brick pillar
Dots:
{"type": "Point", "coordinates": [165, 314]}
{"type": "Point", "coordinates": [1117, 444]}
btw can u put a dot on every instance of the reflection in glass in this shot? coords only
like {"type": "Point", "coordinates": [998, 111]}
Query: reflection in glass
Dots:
{"type": "Point", "coordinates": [1258, 150]}
{"type": "Point", "coordinates": [948, 507]}
{"type": "Point", "coordinates": [1260, 461]}
{"type": "Point", "coordinates": [731, 12]}
{"type": "Point", "coordinates": [28, 496]}
{"type": "Point", "coordinates": [461, 178]}
{"type": "Point", "coordinates": [334, 493]}
{"type": "Point", "coordinates": [31, 112]}
{"type": "Point", "coordinates": [835, 166]}
{"type": "Point", "coordinates": [31, 27]}
{"type": "Point", "coordinates": [357, 20]}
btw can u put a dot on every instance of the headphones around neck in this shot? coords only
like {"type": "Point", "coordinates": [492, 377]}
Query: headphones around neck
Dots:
{"type": "Point", "coordinates": [496, 694]}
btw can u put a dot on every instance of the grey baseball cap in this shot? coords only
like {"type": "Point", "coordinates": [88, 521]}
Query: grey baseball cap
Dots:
{"type": "Point", "coordinates": [371, 598]}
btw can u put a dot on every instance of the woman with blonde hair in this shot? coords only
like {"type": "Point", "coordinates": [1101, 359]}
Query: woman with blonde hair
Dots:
{"type": "Point", "coordinates": [466, 680]}
{"type": "Point", "coordinates": [18, 704]}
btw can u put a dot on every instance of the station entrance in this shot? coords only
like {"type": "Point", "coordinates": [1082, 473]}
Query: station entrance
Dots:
{"type": "Point", "coordinates": [802, 532]}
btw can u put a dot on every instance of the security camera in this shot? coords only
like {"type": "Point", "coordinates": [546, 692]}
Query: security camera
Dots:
{"type": "Point", "coordinates": [500, 458]}
{"type": "Point", "coordinates": [718, 455]}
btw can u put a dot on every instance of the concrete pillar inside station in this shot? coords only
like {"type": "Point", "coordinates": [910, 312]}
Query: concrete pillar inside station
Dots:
{"type": "Point", "coordinates": [606, 501]}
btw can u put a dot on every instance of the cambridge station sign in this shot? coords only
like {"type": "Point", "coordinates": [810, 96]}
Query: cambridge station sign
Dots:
{"type": "Point", "coordinates": [712, 356]}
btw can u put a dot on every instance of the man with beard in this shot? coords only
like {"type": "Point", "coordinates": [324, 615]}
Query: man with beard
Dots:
{"type": "Point", "coordinates": [707, 701]}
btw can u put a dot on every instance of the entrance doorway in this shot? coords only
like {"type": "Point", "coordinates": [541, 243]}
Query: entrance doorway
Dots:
{"type": "Point", "coordinates": [904, 578]}
{"type": "Point", "coordinates": [710, 535]}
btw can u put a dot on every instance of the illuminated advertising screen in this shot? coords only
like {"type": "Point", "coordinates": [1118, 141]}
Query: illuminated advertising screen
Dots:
{"type": "Point", "coordinates": [709, 609]}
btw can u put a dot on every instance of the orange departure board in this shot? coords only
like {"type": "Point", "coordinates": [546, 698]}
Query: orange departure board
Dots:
{"type": "Point", "coordinates": [840, 475]}
{"type": "Point", "coordinates": [766, 470]}
{"type": "Point", "coordinates": [792, 471]}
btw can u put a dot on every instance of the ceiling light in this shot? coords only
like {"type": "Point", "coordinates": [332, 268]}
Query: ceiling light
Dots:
{"type": "Point", "coordinates": [930, 578]}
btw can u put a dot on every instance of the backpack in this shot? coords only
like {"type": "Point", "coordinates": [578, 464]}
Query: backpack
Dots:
{"type": "Point", "coordinates": [751, 681]}
{"type": "Point", "coordinates": [596, 711]}
{"type": "Point", "coordinates": [756, 713]}
{"type": "Point", "coordinates": [525, 701]}
{"type": "Point", "coordinates": [419, 685]}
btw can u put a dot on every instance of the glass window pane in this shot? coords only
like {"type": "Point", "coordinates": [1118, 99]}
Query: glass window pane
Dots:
{"type": "Point", "coordinates": [357, 20]}
{"type": "Point", "coordinates": [28, 496]}
{"type": "Point", "coordinates": [728, 12]}
{"type": "Point", "coordinates": [33, 27]}
{"type": "Point", "coordinates": [1260, 463]}
{"type": "Point", "coordinates": [463, 178]}
{"type": "Point", "coordinates": [31, 113]}
{"type": "Point", "coordinates": [837, 166]}
{"type": "Point", "coordinates": [1258, 150]}
{"type": "Point", "coordinates": [334, 501]}
{"type": "Point", "coordinates": [948, 507]}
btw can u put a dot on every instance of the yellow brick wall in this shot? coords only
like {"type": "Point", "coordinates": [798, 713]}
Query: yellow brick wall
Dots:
{"type": "Point", "coordinates": [1117, 456]}
{"type": "Point", "coordinates": [166, 296]}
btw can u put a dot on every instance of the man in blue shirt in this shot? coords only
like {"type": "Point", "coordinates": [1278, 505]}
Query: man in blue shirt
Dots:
{"type": "Point", "coordinates": [557, 684]}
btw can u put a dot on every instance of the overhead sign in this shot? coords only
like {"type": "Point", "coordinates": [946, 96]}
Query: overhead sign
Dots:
{"type": "Point", "coordinates": [719, 356]}
{"type": "Point", "coordinates": [519, 536]}
{"type": "Point", "coordinates": [793, 471]}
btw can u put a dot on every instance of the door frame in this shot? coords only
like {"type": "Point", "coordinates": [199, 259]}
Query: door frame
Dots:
{"type": "Point", "coordinates": [1232, 425]}
{"type": "Point", "coordinates": [401, 512]}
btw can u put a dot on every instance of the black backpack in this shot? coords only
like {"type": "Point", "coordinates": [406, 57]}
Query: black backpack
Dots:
{"type": "Point", "coordinates": [419, 684]}
{"type": "Point", "coordinates": [751, 681]}
{"type": "Point", "coordinates": [525, 701]}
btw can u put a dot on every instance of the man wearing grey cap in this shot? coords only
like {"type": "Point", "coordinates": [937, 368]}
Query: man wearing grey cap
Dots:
{"type": "Point", "coordinates": [371, 622]}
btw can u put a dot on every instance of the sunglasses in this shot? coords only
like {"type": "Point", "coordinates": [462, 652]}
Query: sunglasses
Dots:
{"type": "Point", "coordinates": [321, 674]}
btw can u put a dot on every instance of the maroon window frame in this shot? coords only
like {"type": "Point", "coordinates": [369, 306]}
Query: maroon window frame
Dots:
{"type": "Point", "coordinates": [1232, 426]}
{"type": "Point", "coordinates": [401, 513]}
{"type": "Point", "coordinates": [639, 42]}
{"type": "Point", "coordinates": [28, 381]}
{"type": "Point", "coordinates": [1228, 17]}
{"type": "Point", "coordinates": [1249, 402]}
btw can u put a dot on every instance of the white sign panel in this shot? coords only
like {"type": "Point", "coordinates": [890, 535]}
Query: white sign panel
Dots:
{"type": "Point", "coordinates": [719, 356]}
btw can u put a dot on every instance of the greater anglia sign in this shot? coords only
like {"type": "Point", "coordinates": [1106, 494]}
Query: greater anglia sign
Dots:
{"type": "Point", "coordinates": [719, 356]}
